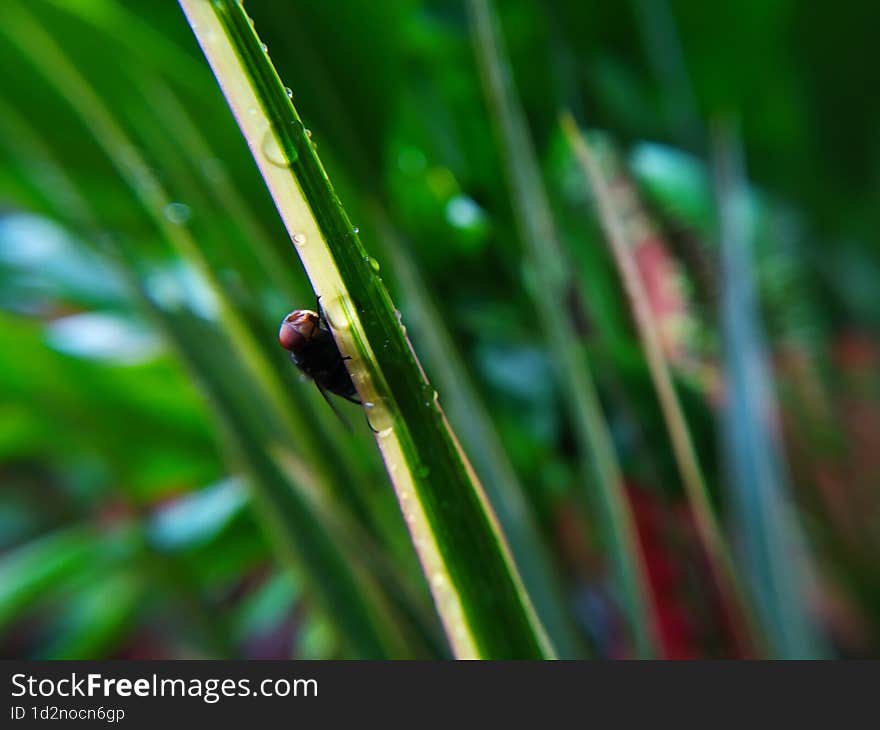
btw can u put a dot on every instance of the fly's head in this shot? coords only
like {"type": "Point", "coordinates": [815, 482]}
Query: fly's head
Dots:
{"type": "Point", "coordinates": [298, 329]}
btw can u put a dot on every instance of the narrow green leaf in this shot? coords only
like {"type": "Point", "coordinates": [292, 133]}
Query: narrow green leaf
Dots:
{"type": "Point", "coordinates": [776, 561]}
{"type": "Point", "coordinates": [469, 416]}
{"type": "Point", "coordinates": [301, 532]}
{"type": "Point", "coordinates": [61, 73]}
{"type": "Point", "coordinates": [290, 509]}
{"type": "Point", "coordinates": [692, 477]}
{"type": "Point", "coordinates": [96, 617]}
{"type": "Point", "coordinates": [546, 259]}
{"type": "Point", "coordinates": [477, 591]}
{"type": "Point", "coordinates": [36, 566]}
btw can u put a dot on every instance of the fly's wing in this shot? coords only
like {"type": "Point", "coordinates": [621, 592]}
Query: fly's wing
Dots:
{"type": "Point", "coordinates": [353, 399]}
{"type": "Point", "coordinates": [333, 406]}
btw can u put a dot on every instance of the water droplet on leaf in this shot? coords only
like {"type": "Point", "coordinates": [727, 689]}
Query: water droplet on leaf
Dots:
{"type": "Point", "coordinates": [336, 311]}
{"type": "Point", "coordinates": [379, 418]}
{"type": "Point", "coordinates": [177, 213]}
{"type": "Point", "coordinates": [273, 151]}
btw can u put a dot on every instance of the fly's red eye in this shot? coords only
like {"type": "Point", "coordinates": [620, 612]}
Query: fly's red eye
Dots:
{"type": "Point", "coordinates": [289, 338]}
{"type": "Point", "coordinates": [298, 328]}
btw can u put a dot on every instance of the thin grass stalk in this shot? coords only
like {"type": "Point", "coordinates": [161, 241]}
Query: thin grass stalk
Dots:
{"type": "Point", "coordinates": [292, 511]}
{"type": "Point", "coordinates": [193, 145]}
{"type": "Point", "coordinates": [468, 414]}
{"type": "Point", "coordinates": [535, 223]}
{"type": "Point", "coordinates": [88, 105]}
{"type": "Point", "coordinates": [464, 403]}
{"type": "Point", "coordinates": [708, 528]}
{"type": "Point", "coordinates": [116, 21]}
{"type": "Point", "coordinates": [482, 604]}
{"type": "Point", "coordinates": [362, 626]}
{"type": "Point", "coordinates": [660, 37]}
{"type": "Point", "coordinates": [39, 48]}
{"type": "Point", "coordinates": [776, 560]}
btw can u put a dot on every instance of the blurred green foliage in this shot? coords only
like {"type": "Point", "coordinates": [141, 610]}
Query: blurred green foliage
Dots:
{"type": "Point", "coordinates": [155, 501]}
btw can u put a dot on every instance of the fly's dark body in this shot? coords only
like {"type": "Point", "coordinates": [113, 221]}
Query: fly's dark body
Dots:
{"type": "Point", "coordinates": [306, 336]}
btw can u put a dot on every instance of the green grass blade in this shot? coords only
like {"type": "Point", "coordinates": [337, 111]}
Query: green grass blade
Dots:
{"type": "Point", "coordinates": [463, 403]}
{"type": "Point", "coordinates": [50, 59]}
{"type": "Point", "coordinates": [469, 416]}
{"type": "Point", "coordinates": [30, 569]}
{"type": "Point", "coordinates": [481, 602]}
{"type": "Point", "coordinates": [536, 226]}
{"type": "Point", "coordinates": [775, 557]}
{"type": "Point", "coordinates": [692, 477]}
{"type": "Point", "coordinates": [321, 546]}
{"type": "Point", "coordinates": [290, 508]}
{"type": "Point", "coordinates": [313, 433]}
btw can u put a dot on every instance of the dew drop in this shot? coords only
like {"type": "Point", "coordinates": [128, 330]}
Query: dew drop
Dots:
{"type": "Point", "coordinates": [336, 311]}
{"type": "Point", "coordinates": [272, 150]}
{"type": "Point", "coordinates": [355, 230]}
{"type": "Point", "coordinates": [309, 133]}
{"type": "Point", "coordinates": [299, 239]}
{"type": "Point", "coordinates": [289, 92]}
{"type": "Point", "coordinates": [177, 213]}
{"type": "Point", "coordinates": [379, 418]}
{"type": "Point", "coordinates": [264, 48]}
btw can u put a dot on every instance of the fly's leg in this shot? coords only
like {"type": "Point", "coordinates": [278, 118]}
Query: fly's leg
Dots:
{"type": "Point", "coordinates": [320, 310]}
{"type": "Point", "coordinates": [333, 407]}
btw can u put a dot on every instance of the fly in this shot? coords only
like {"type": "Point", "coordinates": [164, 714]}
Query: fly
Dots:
{"type": "Point", "coordinates": [307, 337]}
